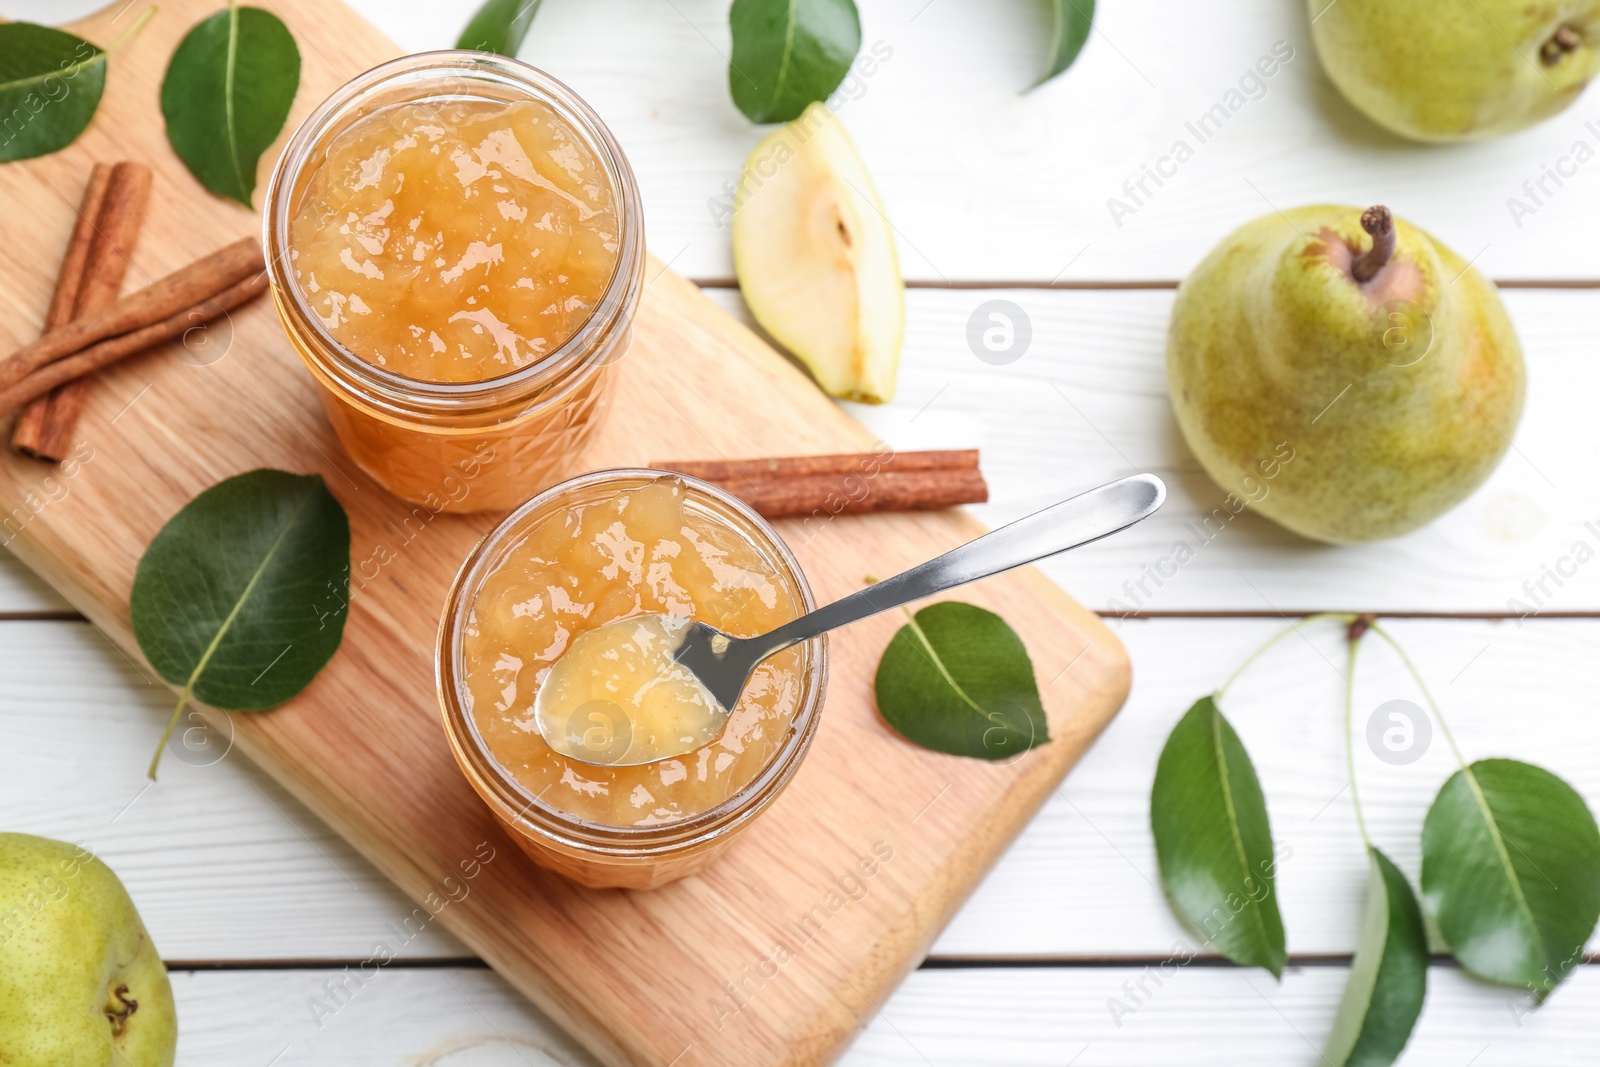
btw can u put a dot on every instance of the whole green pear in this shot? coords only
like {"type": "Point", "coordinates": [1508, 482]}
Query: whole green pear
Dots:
{"type": "Point", "coordinates": [1344, 373]}
{"type": "Point", "coordinates": [1455, 70]}
{"type": "Point", "coordinates": [81, 984]}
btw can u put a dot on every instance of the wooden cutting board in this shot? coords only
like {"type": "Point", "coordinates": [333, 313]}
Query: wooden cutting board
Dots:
{"type": "Point", "coordinates": [781, 951]}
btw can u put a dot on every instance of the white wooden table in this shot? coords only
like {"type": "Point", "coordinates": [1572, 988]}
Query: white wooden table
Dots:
{"type": "Point", "coordinates": [995, 194]}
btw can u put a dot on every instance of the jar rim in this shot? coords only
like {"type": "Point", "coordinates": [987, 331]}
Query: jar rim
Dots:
{"type": "Point", "coordinates": [551, 823]}
{"type": "Point", "coordinates": [613, 310]}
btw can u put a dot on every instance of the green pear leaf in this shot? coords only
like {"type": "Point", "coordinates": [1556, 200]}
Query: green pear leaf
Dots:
{"type": "Point", "coordinates": [788, 54]}
{"type": "Point", "coordinates": [241, 598]}
{"type": "Point", "coordinates": [1073, 21]}
{"type": "Point", "coordinates": [1511, 872]}
{"type": "Point", "coordinates": [50, 85]}
{"type": "Point", "coordinates": [1383, 995]}
{"type": "Point", "coordinates": [499, 26]}
{"type": "Point", "coordinates": [957, 679]}
{"type": "Point", "coordinates": [227, 94]}
{"type": "Point", "coordinates": [1213, 841]}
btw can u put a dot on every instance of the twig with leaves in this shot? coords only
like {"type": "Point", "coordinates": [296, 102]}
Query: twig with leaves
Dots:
{"type": "Point", "coordinates": [1510, 867]}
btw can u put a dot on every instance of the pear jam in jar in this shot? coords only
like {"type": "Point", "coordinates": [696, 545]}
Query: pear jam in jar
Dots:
{"type": "Point", "coordinates": [471, 238]}
{"type": "Point", "coordinates": [601, 548]}
{"type": "Point", "coordinates": [459, 264]}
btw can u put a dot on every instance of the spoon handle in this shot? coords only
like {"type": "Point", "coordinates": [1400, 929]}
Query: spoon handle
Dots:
{"type": "Point", "coordinates": [1084, 518]}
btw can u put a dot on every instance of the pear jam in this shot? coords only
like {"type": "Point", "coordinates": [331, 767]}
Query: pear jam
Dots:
{"type": "Point", "coordinates": [457, 260]}
{"type": "Point", "coordinates": [549, 596]}
{"type": "Point", "coordinates": [456, 241]}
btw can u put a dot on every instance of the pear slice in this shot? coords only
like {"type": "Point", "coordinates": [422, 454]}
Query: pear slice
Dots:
{"type": "Point", "coordinates": [816, 257]}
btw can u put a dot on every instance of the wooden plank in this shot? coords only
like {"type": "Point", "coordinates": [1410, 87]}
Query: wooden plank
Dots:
{"type": "Point", "coordinates": [24, 593]}
{"type": "Point", "coordinates": [1091, 850]}
{"type": "Point", "coordinates": [1015, 184]}
{"type": "Point", "coordinates": [397, 1015]}
{"type": "Point", "coordinates": [1032, 172]}
{"type": "Point", "coordinates": [1209, 1017]}
{"type": "Point", "coordinates": [362, 746]}
{"type": "Point", "coordinates": [1088, 401]}
{"type": "Point", "coordinates": [1206, 1018]}
{"type": "Point", "coordinates": [225, 865]}
{"type": "Point", "coordinates": [223, 861]}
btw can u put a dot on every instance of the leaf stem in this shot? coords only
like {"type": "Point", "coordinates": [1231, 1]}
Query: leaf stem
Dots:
{"type": "Point", "coordinates": [166, 735]}
{"type": "Point", "coordinates": [1354, 646]}
{"type": "Point", "coordinates": [1342, 616]}
{"type": "Point", "coordinates": [1481, 801]}
{"type": "Point", "coordinates": [129, 33]}
{"type": "Point", "coordinates": [222, 631]}
{"type": "Point", "coordinates": [1433, 705]}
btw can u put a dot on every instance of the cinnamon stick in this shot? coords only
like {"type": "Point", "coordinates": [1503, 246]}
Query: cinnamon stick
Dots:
{"type": "Point", "coordinates": [45, 428]}
{"type": "Point", "coordinates": [107, 352]}
{"type": "Point", "coordinates": [69, 281]}
{"type": "Point", "coordinates": [157, 302]}
{"type": "Point", "coordinates": [821, 495]}
{"type": "Point", "coordinates": [733, 470]}
{"type": "Point", "coordinates": [850, 483]}
{"type": "Point", "coordinates": [64, 301]}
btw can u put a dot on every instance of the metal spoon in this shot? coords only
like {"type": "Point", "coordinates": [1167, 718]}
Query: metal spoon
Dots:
{"type": "Point", "coordinates": [699, 671]}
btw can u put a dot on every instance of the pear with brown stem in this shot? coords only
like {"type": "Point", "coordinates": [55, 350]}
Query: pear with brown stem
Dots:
{"type": "Point", "coordinates": [1343, 372]}
{"type": "Point", "coordinates": [1454, 70]}
{"type": "Point", "coordinates": [81, 984]}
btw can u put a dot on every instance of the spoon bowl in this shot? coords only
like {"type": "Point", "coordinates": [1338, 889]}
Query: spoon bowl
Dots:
{"type": "Point", "coordinates": [641, 707]}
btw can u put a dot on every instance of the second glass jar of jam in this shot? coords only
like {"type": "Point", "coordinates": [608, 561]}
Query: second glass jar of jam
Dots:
{"type": "Point", "coordinates": [601, 547]}
{"type": "Point", "coordinates": [456, 251]}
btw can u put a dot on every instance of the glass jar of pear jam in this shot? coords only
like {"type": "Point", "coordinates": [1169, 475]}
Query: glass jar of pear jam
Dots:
{"type": "Point", "coordinates": [456, 251]}
{"type": "Point", "coordinates": [601, 547]}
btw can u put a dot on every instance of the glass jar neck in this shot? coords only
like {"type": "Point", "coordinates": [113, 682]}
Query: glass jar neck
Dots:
{"type": "Point", "coordinates": [438, 76]}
